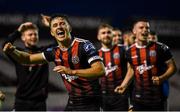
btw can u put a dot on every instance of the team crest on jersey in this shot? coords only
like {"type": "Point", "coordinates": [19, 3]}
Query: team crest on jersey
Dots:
{"type": "Point", "coordinates": [75, 59]}
{"type": "Point", "coordinates": [116, 55]}
{"type": "Point", "coordinates": [152, 53]}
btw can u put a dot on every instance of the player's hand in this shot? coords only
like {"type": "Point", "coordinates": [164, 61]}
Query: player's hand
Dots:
{"type": "Point", "coordinates": [62, 70]}
{"type": "Point", "coordinates": [8, 48]}
{"type": "Point", "coordinates": [156, 80]}
{"type": "Point", "coordinates": [120, 89]}
{"type": "Point", "coordinates": [45, 20]}
{"type": "Point", "coordinates": [24, 25]}
{"type": "Point", "coordinates": [2, 96]}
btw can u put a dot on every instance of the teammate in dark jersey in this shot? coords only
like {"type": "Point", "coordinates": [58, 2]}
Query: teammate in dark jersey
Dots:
{"type": "Point", "coordinates": [115, 65]}
{"type": "Point", "coordinates": [77, 61]}
{"type": "Point", "coordinates": [128, 39]}
{"type": "Point", "coordinates": [32, 80]}
{"type": "Point", "coordinates": [152, 64]}
{"type": "Point", "coordinates": [153, 37]}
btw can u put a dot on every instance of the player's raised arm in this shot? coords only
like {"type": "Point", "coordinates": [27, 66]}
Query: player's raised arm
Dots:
{"type": "Point", "coordinates": [45, 20]}
{"type": "Point", "coordinates": [23, 57]}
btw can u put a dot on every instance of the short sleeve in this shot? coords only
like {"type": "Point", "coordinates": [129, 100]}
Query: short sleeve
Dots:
{"type": "Point", "coordinates": [165, 52]}
{"type": "Point", "coordinates": [49, 54]}
{"type": "Point", "coordinates": [90, 52]}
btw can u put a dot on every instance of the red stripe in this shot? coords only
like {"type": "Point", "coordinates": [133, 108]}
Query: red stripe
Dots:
{"type": "Point", "coordinates": [65, 58]}
{"type": "Point", "coordinates": [117, 61]}
{"type": "Point", "coordinates": [134, 53]}
{"type": "Point", "coordinates": [108, 60]}
{"type": "Point", "coordinates": [100, 53]}
{"type": "Point", "coordinates": [145, 73]}
{"type": "Point", "coordinates": [135, 61]}
{"type": "Point", "coordinates": [74, 52]}
{"type": "Point", "coordinates": [57, 56]}
{"type": "Point", "coordinates": [153, 60]}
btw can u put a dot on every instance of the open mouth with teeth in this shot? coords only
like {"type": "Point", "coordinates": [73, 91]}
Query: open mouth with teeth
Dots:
{"type": "Point", "coordinates": [60, 33]}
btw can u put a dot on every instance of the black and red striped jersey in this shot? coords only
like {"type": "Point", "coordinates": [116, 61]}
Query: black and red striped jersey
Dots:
{"type": "Point", "coordinates": [115, 67]}
{"type": "Point", "coordinates": [80, 55]}
{"type": "Point", "coordinates": [148, 61]}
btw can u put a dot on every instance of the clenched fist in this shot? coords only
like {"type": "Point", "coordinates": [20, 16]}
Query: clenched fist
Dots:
{"type": "Point", "coordinates": [8, 48]}
{"type": "Point", "coordinates": [2, 96]}
{"type": "Point", "coordinates": [156, 80]}
{"type": "Point", "coordinates": [120, 89]}
{"type": "Point", "coordinates": [63, 70]}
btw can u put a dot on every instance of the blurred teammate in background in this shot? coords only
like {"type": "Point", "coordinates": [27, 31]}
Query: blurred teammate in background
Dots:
{"type": "Point", "coordinates": [151, 63]}
{"type": "Point", "coordinates": [115, 65]}
{"type": "Point", "coordinates": [32, 80]}
{"type": "Point", "coordinates": [152, 36]}
{"type": "Point", "coordinates": [128, 39]}
{"type": "Point", "coordinates": [117, 36]}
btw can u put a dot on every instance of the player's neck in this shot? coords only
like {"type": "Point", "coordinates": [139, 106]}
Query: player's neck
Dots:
{"type": "Point", "coordinates": [109, 46]}
{"type": "Point", "coordinates": [65, 44]}
{"type": "Point", "coordinates": [141, 43]}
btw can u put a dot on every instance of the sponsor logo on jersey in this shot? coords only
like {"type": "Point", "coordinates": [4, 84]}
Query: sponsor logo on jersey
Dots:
{"type": "Point", "coordinates": [69, 78]}
{"type": "Point", "coordinates": [109, 68]}
{"type": "Point", "coordinates": [144, 67]}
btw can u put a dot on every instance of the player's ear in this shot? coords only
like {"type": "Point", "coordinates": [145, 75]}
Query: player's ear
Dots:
{"type": "Point", "coordinates": [98, 37]}
{"type": "Point", "coordinates": [22, 37]}
{"type": "Point", "coordinates": [69, 27]}
{"type": "Point", "coordinates": [134, 31]}
{"type": "Point", "coordinates": [52, 33]}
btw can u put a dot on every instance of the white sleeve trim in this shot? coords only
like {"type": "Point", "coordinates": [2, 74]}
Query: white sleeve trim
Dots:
{"type": "Point", "coordinates": [44, 57]}
{"type": "Point", "coordinates": [93, 58]}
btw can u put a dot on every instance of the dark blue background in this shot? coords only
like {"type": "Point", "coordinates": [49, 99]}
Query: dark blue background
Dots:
{"type": "Point", "coordinates": [116, 9]}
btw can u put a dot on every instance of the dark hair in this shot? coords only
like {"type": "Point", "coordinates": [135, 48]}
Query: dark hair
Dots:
{"type": "Point", "coordinates": [152, 33]}
{"type": "Point", "coordinates": [115, 29]}
{"type": "Point", "coordinates": [127, 32]}
{"type": "Point", "coordinates": [104, 25]}
{"type": "Point", "coordinates": [27, 27]}
{"type": "Point", "coordinates": [61, 16]}
{"type": "Point", "coordinates": [139, 20]}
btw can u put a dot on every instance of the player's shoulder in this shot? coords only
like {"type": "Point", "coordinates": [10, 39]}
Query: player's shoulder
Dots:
{"type": "Point", "coordinates": [120, 45]}
{"type": "Point", "coordinates": [85, 44]}
{"type": "Point", "coordinates": [132, 46]}
{"type": "Point", "coordinates": [162, 45]}
{"type": "Point", "coordinates": [80, 40]}
{"type": "Point", "coordinates": [52, 48]}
